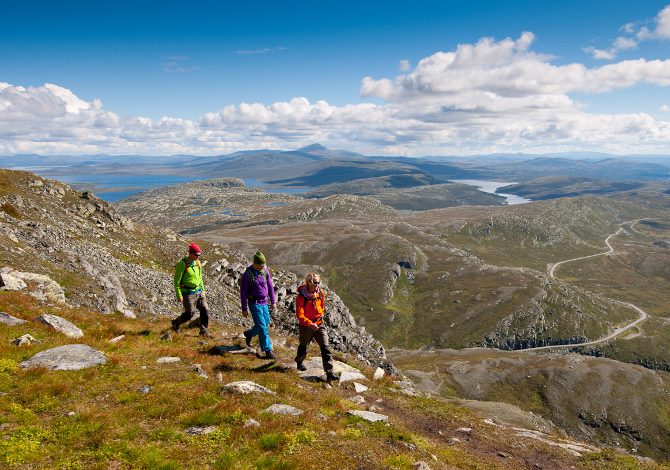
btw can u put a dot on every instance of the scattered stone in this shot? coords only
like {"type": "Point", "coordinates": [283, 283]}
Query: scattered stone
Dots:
{"type": "Point", "coordinates": [374, 408]}
{"type": "Point", "coordinates": [117, 339]}
{"type": "Point", "coordinates": [9, 320]}
{"type": "Point", "coordinates": [490, 422]}
{"type": "Point", "coordinates": [144, 389]}
{"type": "Point", "coordinates": [143, 367]}
{"type": "Point", "coordinates": [504, 455]}
{"type": "Point", "coordinates": [369, 416]}
{"type": "Point", "coordinates": [467, 431]}
{"type": "Point", "coordinates": [68, 357]}
{"type": "Point", "coordinates": [25, 340]}
{"type": "Point", "coordinates": [71, 413]}
{"type": "Point", "coordinates": [45, 287]}
{"type": "Point", "coordinates": [219, 377]}
{"type": "Point", "coordinates": [360, 388]}
{"type": "Point", "coordinates": [347, 376]}
{"type": "Point", "coordinates": [251, 423]}
{"type": "Point", "coordinates": [245, 387]}
{"type": "Point", "coordinates": [358, 400]}
{"type": "Point", "coordinates": [379, 373]}
{"type": "Point", "coordinates": [200, 430]}
{"type": "Point", "coordinates": [332, 433]}
{"type": "Point", "coordinates": [9, 282]}
{"type": "Point", "coordinates": [420, 466]}
{"type": "Point", "coordinates": [280, 409]}
{"type": "Point", "coordinates": [167, 360]}
{"type": "Point", "coordinates": [166, 336]}
{"type": "Point", "coordinates": [321, 417]}
{"type": "Point", "coordinates": [453, 440]}
{"type": "Point", "coordinates": [60, 324]}
{"type": "Point", "coordinates": [199, 371]}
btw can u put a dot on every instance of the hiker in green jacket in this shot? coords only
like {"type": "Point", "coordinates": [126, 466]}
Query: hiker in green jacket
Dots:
{"type": "Point", "coordinates": [190, 290]}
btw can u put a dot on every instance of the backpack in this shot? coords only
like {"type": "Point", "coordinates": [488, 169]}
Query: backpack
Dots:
{"type": "Point", "coordinates": [252, 278]}
{"type": "Point", "coordinates": [186, 266]}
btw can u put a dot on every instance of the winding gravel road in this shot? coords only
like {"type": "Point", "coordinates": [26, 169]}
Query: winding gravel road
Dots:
{"type": "Point", "coordinates": [617, 331]}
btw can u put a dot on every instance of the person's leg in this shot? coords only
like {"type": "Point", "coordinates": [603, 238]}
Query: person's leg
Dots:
{"type": "Point", "coordinates": [262, 321]}
{"type": "Point", "coordinates": [204, 312]}
{"type": "Point", "coordinates": [321, 338]}
{"type": "Point", "coordinates": [305, 335]}
{"type": "Point", "coordinates": [255, 316]}
{"type": "Point", "coordinates": [188, 301]}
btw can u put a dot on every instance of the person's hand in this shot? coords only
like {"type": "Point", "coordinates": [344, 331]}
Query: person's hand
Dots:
{"type": "Point", "coordinates": [314, 326]}
{"type": "Point", "coordinates": [274, 307]}
{"type": "Point", "coordinates": [245, 314]}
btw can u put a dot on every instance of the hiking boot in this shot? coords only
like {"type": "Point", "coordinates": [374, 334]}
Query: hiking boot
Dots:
{"type": "Point", "coordinates": [175, 326]}
{"type": "Point", "coordinates": [330, 376]}
{"type": "Point", "coordinates": [247, 338]}
{"type": "Point", "coordinates": [206, 334]}
{"type": "Point", "coordinates": [269, 355]}
{"type": "Point", "coordinates": [301, 366]}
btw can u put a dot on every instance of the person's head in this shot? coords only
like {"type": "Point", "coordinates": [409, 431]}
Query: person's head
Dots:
{"type": "Point", "coordinates": [194, 251]}
{"type": "Point", "coordinates": [259, 260]}
{"type": "Point", "coordinates": [312, 281]}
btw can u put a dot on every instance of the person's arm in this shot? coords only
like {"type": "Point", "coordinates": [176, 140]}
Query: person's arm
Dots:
{"type": "Point", "coordinates": [271, 288]}
{"type": "Point", "coordinates": [202, 282]}
{"type": "Point", "coordinates": [178, 273]}
{"type": "Point", "coordinates": [244, 286]}
{"type": "Point", "coordinates": [300, 310]}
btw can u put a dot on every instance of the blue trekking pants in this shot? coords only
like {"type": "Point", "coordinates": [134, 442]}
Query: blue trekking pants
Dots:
{"type": "Point", "coordinates": [261, 315]}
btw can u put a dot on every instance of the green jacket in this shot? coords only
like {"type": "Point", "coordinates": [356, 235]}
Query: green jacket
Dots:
{"type": "Point", "coordinates": [188, 276]}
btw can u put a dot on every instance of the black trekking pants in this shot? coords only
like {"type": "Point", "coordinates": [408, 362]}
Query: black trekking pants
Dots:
{"type": "Point", "coordinates": [321, 337]}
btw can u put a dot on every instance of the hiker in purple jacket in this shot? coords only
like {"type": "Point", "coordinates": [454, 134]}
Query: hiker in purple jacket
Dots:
{"type": "Point", "coordinates": [256, 289]}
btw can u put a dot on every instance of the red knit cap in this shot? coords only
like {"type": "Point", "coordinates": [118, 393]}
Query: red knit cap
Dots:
{"type": "Point", "coordinates": [194, 248]}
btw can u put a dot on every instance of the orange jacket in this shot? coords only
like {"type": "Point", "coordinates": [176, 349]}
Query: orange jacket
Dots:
{"type": "Point", "coordinates": [309, 307]}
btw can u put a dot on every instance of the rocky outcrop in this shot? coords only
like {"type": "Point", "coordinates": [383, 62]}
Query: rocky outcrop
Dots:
{"type": "Point", "coordinates": [7, 319]}
{"type": "Point", "coordinates": [61, 325]}
{"type": "Point", "coordinates": [44, 288]}
{"type": "Point", "coordinates": [68, 357]}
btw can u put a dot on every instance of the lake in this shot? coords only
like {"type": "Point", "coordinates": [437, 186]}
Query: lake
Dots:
{"type": "Point", "coordinates": [492, 186]}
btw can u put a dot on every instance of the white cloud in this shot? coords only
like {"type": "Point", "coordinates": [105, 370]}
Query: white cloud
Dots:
{"type": "Point", "coordinates": [664, 108]}
{"type": "Point", "coordinates": [263, 50]}
{"type": "Point", "coordinates": [491, 96]}
{"type": "Point", "coordinates": [404, 65]}
{"type": "Point", "coordinates": [660, 30]}
{"type": "Point", "coordinates": [178, 64]}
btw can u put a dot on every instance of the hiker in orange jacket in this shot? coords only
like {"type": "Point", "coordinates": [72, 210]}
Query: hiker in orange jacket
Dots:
{"type": "Point", "coordinates": [310, 306]}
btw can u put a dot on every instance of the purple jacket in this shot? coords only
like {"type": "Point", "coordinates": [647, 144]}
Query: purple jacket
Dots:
{"type": "Point", "coordinates": [261, 289]}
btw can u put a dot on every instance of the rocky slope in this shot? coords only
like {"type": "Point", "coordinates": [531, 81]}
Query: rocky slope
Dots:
{"type": "Point", "coordinates": [107, 263]}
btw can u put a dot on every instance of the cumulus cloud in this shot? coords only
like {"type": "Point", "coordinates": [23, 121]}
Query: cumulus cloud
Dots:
{"type": "Point", "coordinates": [491, 96]}
{"type": "Point", "coordinates": [403, 65]}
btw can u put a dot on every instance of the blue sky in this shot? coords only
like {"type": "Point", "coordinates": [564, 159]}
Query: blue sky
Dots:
{"type": "Point", "coordinates": [122, 62]}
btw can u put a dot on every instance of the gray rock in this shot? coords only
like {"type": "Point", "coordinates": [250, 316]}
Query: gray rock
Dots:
{"type": "Point", "coordinates": [61, 324]}
{"type": "Point", "coordinates": [7, 319]}
{"type": "Point", "coordinates": [167, 360]}
{"type": "Point", "coordinates": [280, 409]}
{"type": "Point", "coordinates": [199, 371]}
{"type": "Point", "coordinates": [420, 466]}
{"type": "Point", "coordinates": [358, 400]}
{"type": "Point", "coordinates": [360, 388]}
{"type": "Point", "coordinates": [245, 387]}
{"type": "Point", "coordinates": [349, 376]}
{"type": "Point", "coordinates": [10, 282]}
{"type": "Point", "coordinates": [68, 357]}
{"type": "Point", "coordinates": [465, 430]}
{"type": "Point", "coordinates": [200, 430]}
{"type": "Point", "coordinates": [117, 339]}
{"type": "Point", "coordinates": [166, 337]}
{"type": "Point", "coordinates": [46, 288]}
{"type": "Point", "coordinates": [25, 340]}
{"type": "Point", "coordinates": [144, 389]}
{"type": "Point", "coordinates": [379, 373]}
{"type": "Point", "coordinates": [251, 423]}
{"type": "Point", "coordinates": [369, 416]}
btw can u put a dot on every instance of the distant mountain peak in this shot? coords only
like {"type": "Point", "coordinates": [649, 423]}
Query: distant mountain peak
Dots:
{"type": "Point", "coordinates": [312, 148]}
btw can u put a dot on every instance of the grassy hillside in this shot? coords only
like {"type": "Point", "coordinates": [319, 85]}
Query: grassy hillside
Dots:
{"type": "Point", "coordinates": [134, 413]}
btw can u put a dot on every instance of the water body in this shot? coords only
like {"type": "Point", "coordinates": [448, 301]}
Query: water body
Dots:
{"type": "Point", "coordinates": [491, 188]}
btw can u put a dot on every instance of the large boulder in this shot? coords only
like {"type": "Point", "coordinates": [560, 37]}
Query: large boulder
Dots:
{"type": "Point", "coordinates": [45, 288]}
{"type": "Point", "coordinates": [68, 357]}
{"type": "Point", "coordinates": [61, 325]}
